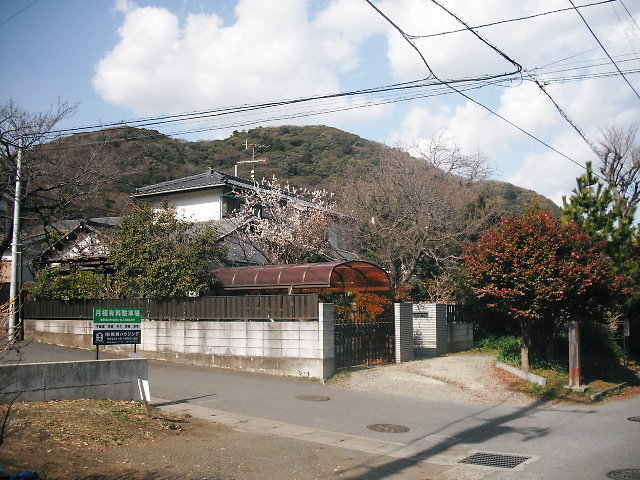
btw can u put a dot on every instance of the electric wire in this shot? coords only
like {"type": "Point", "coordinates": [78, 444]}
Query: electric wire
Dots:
{"type": "Point", "coordinates": [626, 34]}
{"type": "Point", "coordinates": [325, 104]}
{"type": "Point", "coordinates": [629, 13]}
{"type": "Point", "coordinates": [18, 12]}
{"type": "Point", "coordinates": [471, 99]}
{"type": "Point", "coordinates": [604, 49]}
{"type": "Point", "coordinates": [500, 22]}
{"type": "Point", "coordinates": [163, 119]}
{"type": "Point", "coordinates": [432, 82]}
{"type": "Point", "coordinates": [253, 121]}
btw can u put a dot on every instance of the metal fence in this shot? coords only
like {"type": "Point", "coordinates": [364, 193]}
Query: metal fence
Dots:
{"type": "Point", "coordinates": [254, 307]}
{"type": "Point", "coordinates": [459, 313]}
{"type": "Point", "coordinates": [359, 343]}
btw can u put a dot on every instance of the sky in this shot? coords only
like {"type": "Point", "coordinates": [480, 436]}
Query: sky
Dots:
{"type": "Point", "coordinates": [125, 60]}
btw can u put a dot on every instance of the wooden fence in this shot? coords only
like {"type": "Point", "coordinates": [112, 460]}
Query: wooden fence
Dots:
{"type": "Point", "coordinates": [254, 307]}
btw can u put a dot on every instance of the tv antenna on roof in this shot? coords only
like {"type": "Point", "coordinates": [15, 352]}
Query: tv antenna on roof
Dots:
{"type": "Point", "coordinates": [253, 147]}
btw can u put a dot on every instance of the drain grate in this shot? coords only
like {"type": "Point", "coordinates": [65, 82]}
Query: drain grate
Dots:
{"type": "Point", "coordinates": [494, 460]}
{"type": "Point", "coordinates": [626, 474]}
{"type": "Point", "coordinates": [634, 419]}
{"type": "Point", "coordinates": [312, 398]}
{"type": "Point", "coordinates": [388, 428]}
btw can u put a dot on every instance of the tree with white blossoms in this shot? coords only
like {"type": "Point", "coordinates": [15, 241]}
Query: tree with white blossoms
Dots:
{"type": "Point", "coordinates": [285, 226]}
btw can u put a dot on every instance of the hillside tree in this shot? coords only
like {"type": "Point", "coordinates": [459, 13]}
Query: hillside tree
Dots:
{"type": "Point", "coordinates": [406, 212]}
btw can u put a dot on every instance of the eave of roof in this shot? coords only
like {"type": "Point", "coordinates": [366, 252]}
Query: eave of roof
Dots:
{"type": "Point", "coordinates": [209, 179]}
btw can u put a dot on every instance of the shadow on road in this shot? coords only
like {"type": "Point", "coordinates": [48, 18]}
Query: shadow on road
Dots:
{"type": "Point", "coordinates": [488, 429]}
{"type": "Point", "coordinates": [181, 401]}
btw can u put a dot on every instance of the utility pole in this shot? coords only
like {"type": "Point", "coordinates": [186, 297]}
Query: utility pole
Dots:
{"type": "Point", "coordinates": [16, 252]}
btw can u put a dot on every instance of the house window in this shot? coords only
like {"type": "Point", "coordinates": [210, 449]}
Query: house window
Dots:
{"type": "Point", "coordinates": [230, 204]}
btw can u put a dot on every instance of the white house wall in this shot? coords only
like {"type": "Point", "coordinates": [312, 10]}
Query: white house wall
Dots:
{"type": "Point", "coordinates": [196, 206]}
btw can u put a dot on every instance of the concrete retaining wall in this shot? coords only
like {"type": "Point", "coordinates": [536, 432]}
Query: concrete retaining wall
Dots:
{"type": "Point", "coordinates": [286, 348]}
{"type": "Point", "coordinates": [97, 379]}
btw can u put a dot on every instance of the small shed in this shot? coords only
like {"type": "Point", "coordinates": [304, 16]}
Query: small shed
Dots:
{"type": "Point", "coordinates": [350, 276]}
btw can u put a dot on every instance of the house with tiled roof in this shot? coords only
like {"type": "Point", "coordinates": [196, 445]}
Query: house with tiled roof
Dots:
{"type": "Point", "coordinates": [208, 196]}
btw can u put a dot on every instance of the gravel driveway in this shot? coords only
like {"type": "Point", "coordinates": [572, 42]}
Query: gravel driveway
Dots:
{"type": "Point", "coordinates": [470, 377]}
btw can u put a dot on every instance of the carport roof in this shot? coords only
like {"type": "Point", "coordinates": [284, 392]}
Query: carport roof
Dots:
{"type": "Point", "coordinates": [355, 276]}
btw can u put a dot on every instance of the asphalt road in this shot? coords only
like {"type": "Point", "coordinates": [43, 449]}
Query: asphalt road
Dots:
{"type": "Point", "coordinates": [564, 442]}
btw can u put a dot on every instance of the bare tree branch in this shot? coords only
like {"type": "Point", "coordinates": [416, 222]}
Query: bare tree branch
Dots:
{"type": "Point", "coordinates": [407, 210]}
{"type": "Point", "coordinates": [620, 156]}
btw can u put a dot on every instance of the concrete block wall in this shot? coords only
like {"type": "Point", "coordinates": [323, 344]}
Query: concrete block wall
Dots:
{"type": "Point", "coordinates": [97, 379]}
{"type": "Point", "coordinates": [302, 348]}
{"type": "Point", "coordinates": [429, 329]}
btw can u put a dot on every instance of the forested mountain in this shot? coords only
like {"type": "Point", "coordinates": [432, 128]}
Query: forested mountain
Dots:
{"type": "Point", "coordinates": [310, 156]}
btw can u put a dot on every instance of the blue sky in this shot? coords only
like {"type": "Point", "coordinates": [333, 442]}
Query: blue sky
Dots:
{"type": "Point", "coordinates": [123, 60]}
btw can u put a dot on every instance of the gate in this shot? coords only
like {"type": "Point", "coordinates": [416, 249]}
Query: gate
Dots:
{"type": "Point", "coordinates": [365, 342]}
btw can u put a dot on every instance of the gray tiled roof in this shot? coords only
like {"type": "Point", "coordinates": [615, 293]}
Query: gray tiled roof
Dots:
{"type": "Point", "coordinates": [210, 178]}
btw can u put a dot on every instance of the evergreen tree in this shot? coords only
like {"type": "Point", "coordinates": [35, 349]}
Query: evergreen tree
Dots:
{"type": "Point", "coordinates": [158, 255]}
{"type": "Point", "coordinates": [607, 218]}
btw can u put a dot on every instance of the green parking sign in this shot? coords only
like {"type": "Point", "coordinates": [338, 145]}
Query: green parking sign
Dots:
{"type": "Point", "coordinates": [117, 326]}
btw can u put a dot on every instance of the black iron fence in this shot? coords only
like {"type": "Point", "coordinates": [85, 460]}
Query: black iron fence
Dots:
{"type": "Point", "coordinates": [460, 313]}
{"type": "Point", "coordinates": [254, 307]}
{"type": "Point", "coordinates": [360, 343]}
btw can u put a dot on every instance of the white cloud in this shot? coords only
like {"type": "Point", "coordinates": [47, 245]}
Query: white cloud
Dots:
{"type": "Point", "coordinates": [124, 6]}
{"type": "Point", "coordinates": [293, 48]}
{"type": "Point", "coordinates": [551, 174]}
{"type": "Point", "coordinates": [271, 52]}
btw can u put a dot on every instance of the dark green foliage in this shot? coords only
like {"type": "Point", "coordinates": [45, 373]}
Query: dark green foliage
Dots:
{"type": "Point", "coordinates": [593, 206]}
{"type": "Point", "coordinates": [158, 255]}
{"type": "Point", "coordinates": [508, 348]}
{"type": "Point", "coordinates": [55, 284]}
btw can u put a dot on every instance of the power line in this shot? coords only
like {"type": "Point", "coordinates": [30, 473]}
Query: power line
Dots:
{"type": "Point", "coordinates": [18, 12]}
{"type": "Point", "coordinates": [467, 96]}
{"type": "Point", "coordinates": [604, 49]}
{"type": "Point", "coordinates": [626, 34]}
{"type": "Point", "coordinates": [629, 13]}
{"type": "Point", "coordinates": [222, 111]}
{"type": "Point", "coordinates": [499, 22]}
{"type": "Point", "coordinates": [284, 116]}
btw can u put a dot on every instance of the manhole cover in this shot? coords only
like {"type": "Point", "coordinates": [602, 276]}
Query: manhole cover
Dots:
{"type": "Point", "coordinates": [625, 474]}
{"type": "Point", "coordinates": [388, 428]}
{"type": "Point", "coordinates": [634, 419]}
{"type": "Point", "coordinates": [495, 460]}
{"type": "Point", "coordinates": [313, 398]}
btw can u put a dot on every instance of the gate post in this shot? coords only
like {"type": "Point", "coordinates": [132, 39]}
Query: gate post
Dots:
{"type": "Point", "coordinates": [403, 313]}
{"type": "Point", "coordinates": [326, 339]}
